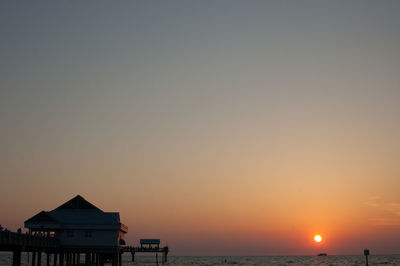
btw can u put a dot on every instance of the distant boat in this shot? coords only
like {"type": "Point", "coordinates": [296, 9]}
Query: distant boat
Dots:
{"type": "Point", "coordinates": [322, 254]}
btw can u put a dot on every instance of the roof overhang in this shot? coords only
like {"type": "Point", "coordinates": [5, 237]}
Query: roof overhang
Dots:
{"type": "Point", "coordinates": [44, 226]}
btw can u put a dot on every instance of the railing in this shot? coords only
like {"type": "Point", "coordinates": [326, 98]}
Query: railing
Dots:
{"type": "Point", "coordinates": [146, 249]}
{"type": "Point", "coordinates": [163, 250]}
{"type": "Point", "coordinates": [25, 240]}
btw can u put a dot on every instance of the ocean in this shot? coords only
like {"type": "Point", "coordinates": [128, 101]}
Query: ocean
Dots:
{"type": "Point", "coordinates": [6, 260]}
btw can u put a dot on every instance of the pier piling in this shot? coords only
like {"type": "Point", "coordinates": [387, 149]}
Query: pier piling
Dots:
{"type": "Point", "coordinates": [366, 254]}
{"type": "Point", "coordinates": [39, 259]}
{"type": "Point", "coordinates": [33, 258]}
{"type": "Point", "coordinates": [56, 255]}
{"type": "Point", "coordinates": [61, 259]}
{"type": "Point", "coordinates": [17, 257]}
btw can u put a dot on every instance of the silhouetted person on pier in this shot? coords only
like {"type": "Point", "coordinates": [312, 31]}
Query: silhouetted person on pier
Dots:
{"type": "Point", "coordinates": [1, 228]}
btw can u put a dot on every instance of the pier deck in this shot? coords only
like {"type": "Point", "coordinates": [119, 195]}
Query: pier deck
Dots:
{"type": "Point", "coordinates": [18, 242]}
{"type": "Point", "coordinates": [134, 250]}
{"type": "Point", "coordinates": [69, 256]}
{"type": "Point", "coordinates": [10, 241]}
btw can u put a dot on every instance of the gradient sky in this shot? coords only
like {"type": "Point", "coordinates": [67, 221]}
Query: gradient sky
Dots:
{"type": "Point", "coordinates": [222, 127]}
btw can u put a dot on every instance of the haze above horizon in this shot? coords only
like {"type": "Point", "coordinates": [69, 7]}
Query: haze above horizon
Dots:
{"type": "Point", "coordinates": [222, 127]}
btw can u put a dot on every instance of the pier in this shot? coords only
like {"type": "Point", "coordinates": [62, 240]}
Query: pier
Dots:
{"type": "Point", "coordinates": [55, 254]}
{"type": "Point", "coordinates": [75, 233]}
{"type": "Point", "coordinates": [149, 246]}
{"type": "Point", "coordinates": [18, 242]}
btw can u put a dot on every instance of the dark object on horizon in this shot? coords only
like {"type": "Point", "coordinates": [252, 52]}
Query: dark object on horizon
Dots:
{"type": "Point", "coordinates": [322, 254]}
{"type": "Point", "coordinates": [366, 253]}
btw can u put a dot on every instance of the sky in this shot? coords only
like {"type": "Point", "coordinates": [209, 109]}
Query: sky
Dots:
{"type": "Point", "coordinates": [221, 127]}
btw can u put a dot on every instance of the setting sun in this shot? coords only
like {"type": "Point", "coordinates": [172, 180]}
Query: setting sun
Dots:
{"type": "Point", "coordinates": [317, 238]}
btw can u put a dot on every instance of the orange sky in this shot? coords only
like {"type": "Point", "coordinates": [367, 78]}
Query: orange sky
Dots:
{"type": "Point", "coordinates": [222, 128]}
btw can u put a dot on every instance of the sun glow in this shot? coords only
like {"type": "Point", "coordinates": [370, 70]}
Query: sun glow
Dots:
{"type": "Point", "coordinates": [317, 238]}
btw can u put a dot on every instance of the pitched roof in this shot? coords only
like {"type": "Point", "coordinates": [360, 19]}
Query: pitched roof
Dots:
{"type": "Point", "coordinates": [83, 217]}
{"type": "Point", "coordinates": [41, 217]}
{"type": "Point", "coordinates": [77, 211]}
{"type": "Point", "coordinates": [77, 203]}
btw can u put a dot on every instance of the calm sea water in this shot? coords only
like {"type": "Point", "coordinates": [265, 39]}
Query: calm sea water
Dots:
{"type": "Point", "coordinates": [6, 260]}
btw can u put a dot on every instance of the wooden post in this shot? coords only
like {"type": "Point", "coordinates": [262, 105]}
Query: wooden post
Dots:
{"type": "Point", "coordinates": [55, 259]}
{"type": "Point", "coordinates": [48, 259]}
{"type": "Point", "coordinates": [61, 259]}
{"type": "Point", "coordinates": [39, 258]}
{"type": "Point", "coordinates": [78, 258]}
{"type": "Point", "coordinates": [17, 257]}
{"type": "Point", "coordinates": [166, 250]}
{"type": "Point", "coordinates": [366, 254]}
{"type": "Point", "coordinates": [120, 258]}
{"type": "Point", "coordinates": [68, 259]}
{"type": "Point", "coordinates": [133, 256]}
{"type": "Point", "coordinates": [101, 259]}
{"type": "Point", "coordinates": [87, 259]}
{"type": "Point", "coordinates": [73, 259]}
{"type": "Point", "coordinates": [114, 260]}
{"type": "Point", "coordinates": [33, 258]}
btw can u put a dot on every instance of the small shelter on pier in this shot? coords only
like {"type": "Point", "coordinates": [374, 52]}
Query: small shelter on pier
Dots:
{"type": "Point", "coordinates": [149, 246]}
{"type": "Point", "coordinates": [150, 243]}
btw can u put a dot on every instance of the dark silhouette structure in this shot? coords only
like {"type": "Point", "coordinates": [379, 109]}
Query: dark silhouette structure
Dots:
{"type": "Point", "coordinates": [75, 228]}
{"type": "Point", "coordinates": [366, 253]}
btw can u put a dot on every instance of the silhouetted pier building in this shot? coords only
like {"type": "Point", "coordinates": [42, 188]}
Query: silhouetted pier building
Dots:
{"type": "Point", "coordinates": [76, 233]}
{"type": "Point", "coordinates": [77, 227]}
